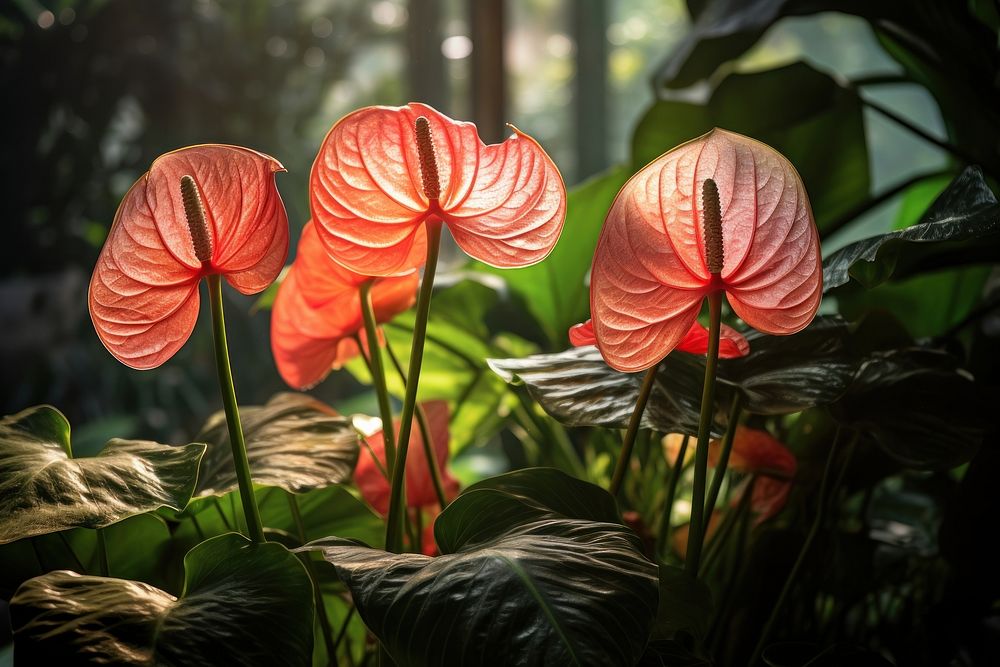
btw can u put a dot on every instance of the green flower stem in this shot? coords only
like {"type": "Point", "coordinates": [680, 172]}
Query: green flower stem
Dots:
{"type": "Point", "coordinates": [324, 619]}
{"type": "Point", "coordinates": [378, 374]}
{"type": "Point", "coordinates": [628, 442]}
{"type": "Point", "coordinates": [102, 553]}
{"type": "Point", "coordinates": [425, 434]}
{"type": "Point", "coordinates": [250, 511]}
{"type": "Point", "coordinates": [663, 534]}
{"type": "Point", "coordinates": [824, 493]}
{"type": "Point", "coordinates": [727, 448]}
{"type": "Point", "coordinates": [698, 521]}
{"type": "Point", "coordinates": [397, 498]}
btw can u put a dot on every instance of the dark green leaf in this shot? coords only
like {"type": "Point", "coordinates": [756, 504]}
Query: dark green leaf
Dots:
{"type": "Point", "coordinates": [685, 605]}
{"type": "Point", "coordinates": [43, 489]}
{"type": "Point", "coordinates": [294, 442]}
{"type": "Point", "coordinates": [819, 128]}
{"type": "Point", "coordinates": [785, 374]}
{"type": "Point", "coordinates": [523, 582]}
{"type": "Point", "coordinates": [554, 291]}
{"type": "Point", "coordinates": [782, 374]}
{"type": "Point", "coordinates": [962, 227]}
{"type": "Point", "coordinates": [918, 406]}
{"type": "Point", "coordinates": [242, 604]}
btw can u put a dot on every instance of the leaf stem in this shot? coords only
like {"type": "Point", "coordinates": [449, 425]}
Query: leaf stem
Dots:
{"type": "Point", "coordinates": [425, 434]}
{"type": "Point", "coordinates": [697, 531]}
{"type": "Point", "coordinates": [397, 504]}
{"type": "Point", "coordinates": [378, 373]}
{"type": "Point", "coordinates": [806, 546]}
{"type": "Point", "coordinates": [628, 442]}
{"type": "Point", "coordinates": [102, 553]}
{"type": "Point", "coordinates": [727, 448]}
{"type": "Point", "coordinates": [76, 559]}
{"type": "Point", "coordinates": [663, 534]}
{"type": "Point", "coordinates": [324, 619]}
{"type": "Point", "coordinates": [250, 512]}
{"type": "Point", "coordinates": [954, 150]}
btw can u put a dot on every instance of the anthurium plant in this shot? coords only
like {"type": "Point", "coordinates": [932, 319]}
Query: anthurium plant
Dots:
{"type": "Point", "coordinates": [722, 443]}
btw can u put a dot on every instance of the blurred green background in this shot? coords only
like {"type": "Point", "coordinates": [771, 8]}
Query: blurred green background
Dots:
{"type": "Point", "coordinates": [96, 89]}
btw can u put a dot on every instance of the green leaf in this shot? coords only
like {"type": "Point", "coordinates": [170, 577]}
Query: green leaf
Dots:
{"type": "Point", "coordinates": [781, 375]}
{"type": "Point", "coordinates": [243, 603]}
{"type": "Point", "coordinates": [685, 605]}
{"type": "Point", "coordinates": [918, 406]}
{"type": "Point", "coordinates": [328, 511]}
{"type": "Point", "coordinates": [961, 228]}
{"type": "Point", "coordinates": [554, 291]}
{"type": "Point", "coordinates": [522, 582]}
{"type": "Point", "coordinates": [801, 112]}
{"type": "Point", "coordinates": [43, 489]}
{"type": "Point", "coordinates": [293, 442]}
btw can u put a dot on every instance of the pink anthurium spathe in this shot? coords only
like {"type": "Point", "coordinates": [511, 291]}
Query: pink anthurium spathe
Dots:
{"type": "Point", "coordinates": [695, 341]}
{"type": "Point", "coordinates": [382, 173]}
{"type": "Point", "coordinates": [658, 258]}
{"type": "Point", "coordinates": [144, 291]}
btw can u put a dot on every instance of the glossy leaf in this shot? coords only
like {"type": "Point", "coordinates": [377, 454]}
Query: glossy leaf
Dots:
{"type": "Point", "coordinates": [919, 407]}
{"type": "Point", "coordinates": [316, 319]}
{"type": "Point", "coordinates": [144, 291]}
{"type": "Point", "coordinates": [521, 580]}
{"type": "Point", "coordinates": [45, 490]}
{"type": "Point", "coordinates": [243, 603]}
{"type": "Point", "coordinates": [820, 129]}
{"type": "Point", "coordinates": [504, 204]}
{"type": "Point", "coordinates": [577, 388]}
{"type": "Point", "coordinates": [961, 227]}
{"type": "Point", "coordinates": [293, 442]}
{"type": "Point", "coordinates": [650, 275]}
{"type": "Point", "coordinates": [781, 375]}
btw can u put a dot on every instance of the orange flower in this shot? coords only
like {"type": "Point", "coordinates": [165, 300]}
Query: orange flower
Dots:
{"type": "Point", "coordinates": [659, 254]}
{"type": "Point", "coordinates": [382, 173]}
{"type": "Point", "coordinates": [731, 345]}
{"type": "Point", "coordinates": [317, 312]}
{"type": "Point", "coordinates": [144, 292]}
{"type": "Point", "coordinates": [419, 483]}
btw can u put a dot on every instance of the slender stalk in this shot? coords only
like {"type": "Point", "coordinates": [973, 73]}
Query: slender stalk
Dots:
{"type": "Point", "coordinates": [324, 619]}
{"type": "Point", "coordinates": [397, 504]}
{"type": "Point", "coordinates": [727, 448]}
{"type": "Point", "coordinates": [76, 559]}
{"type": "Point", "coordinates": [102, 553]}
{"type": "Point", "coordinates": [663, 534]}
{"type": "Point", "coordinates": [955, 151]}
{"type": "Point", "coordinates": [343, 628]}
{"type": "Point", "coordinates": [697, 531]}
{"type": "Point", "coordinates": [803, 552]}
{"type": "Point", "coordinates": [378, 373]}
{"type": "Point", "coordinates": [628, 442]}
{"type": "Point", "coordinates": [197, 528]}
{"type": "Point", "coordinates": [551, 433]}
{"type": "Point", "coordinates": [425, 434]}
{"type": "Point", "coordinates": [240, 460]}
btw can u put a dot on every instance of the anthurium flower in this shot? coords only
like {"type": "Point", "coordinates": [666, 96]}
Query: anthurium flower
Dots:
{"type": "Point", "coordinates": [695, 341]}
{"type": "Point", "coordinates": [317, 312]}
{"type": "Point", "coordinates": [382, 173]}
{"type": "Point", "coordinates": [720, 213]}
{"type": "Point", "coordinates": [200, 210]}
{"type": "Point", "coordinates": [419, 484]}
